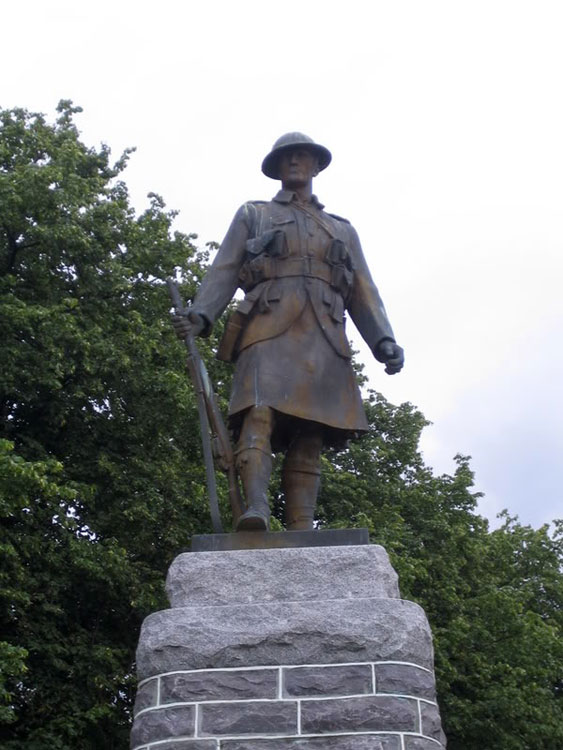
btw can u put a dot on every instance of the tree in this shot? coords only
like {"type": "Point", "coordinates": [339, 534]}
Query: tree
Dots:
{"type": "Point", "coordinates": [494, 599]}
{"type": "Point", "coordinates": [104, 484]}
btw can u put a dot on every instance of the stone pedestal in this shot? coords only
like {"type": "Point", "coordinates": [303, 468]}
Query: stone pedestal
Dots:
{"type": "Point", "coordinates": [286, 649]}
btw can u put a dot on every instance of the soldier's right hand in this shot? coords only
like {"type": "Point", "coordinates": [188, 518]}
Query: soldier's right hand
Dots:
{"type": "Point", "coordinates": [190, 322]}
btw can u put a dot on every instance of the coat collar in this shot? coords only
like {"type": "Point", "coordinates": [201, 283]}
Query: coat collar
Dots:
{"type": "Point", "coordinates": [286, 196]}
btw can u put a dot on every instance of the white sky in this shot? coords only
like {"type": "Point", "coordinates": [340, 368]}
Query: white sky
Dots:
{"type": "Point", "coordinates": [445, 121]}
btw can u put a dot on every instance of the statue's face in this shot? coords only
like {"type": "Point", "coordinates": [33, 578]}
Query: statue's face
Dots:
{"type": "Point", "coordinates": [297, 167]}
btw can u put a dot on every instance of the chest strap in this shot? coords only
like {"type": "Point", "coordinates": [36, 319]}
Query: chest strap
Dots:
{"type": "Point", "coordinates": [323, 224]}
{"type": "Point", "coordinates": [264, 267]}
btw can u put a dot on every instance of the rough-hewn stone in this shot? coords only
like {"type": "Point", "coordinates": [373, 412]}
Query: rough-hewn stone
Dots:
{"type": "Point", "coordinates": [162, 724]}
{"type": "Point", "coordinates": [420, 743]}
{"type": "Point", "coordinates": [374, 713]}
{"type": "Point", "coordinates": [343, 742]}
{"type": "Point", "coordinates": [146, 696]}
{"type": "Point", "coordinates": [308, 621]}
{"type": "Point", "coordinates": [404, 679]}
{"type": "Point", "coordinates": [218, 719]}
{"type": "Point", "coordinates": [431, 724]}
{"type": "Point", "coordinates": [321, 632]}
{"type": "Point", "coordinates": [353, 679]}
{"type": "Point", "coordinates": [209, 686]}
{"type": "Point", "coordinates": [306, 574]}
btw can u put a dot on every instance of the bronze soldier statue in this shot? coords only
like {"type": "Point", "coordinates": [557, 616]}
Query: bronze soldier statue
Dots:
{"type": "Point", "coordinates": [294, 388]}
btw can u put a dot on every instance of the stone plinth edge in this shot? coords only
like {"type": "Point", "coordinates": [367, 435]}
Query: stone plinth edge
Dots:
{"type": "Point", "coordinates": [320, 632]}
{"type": "Point", "coordinates": [278, 539]}
{"type": "Point", "coordinates": [293, 574]}
{"type": "Point", "coordinates": [296, 648]}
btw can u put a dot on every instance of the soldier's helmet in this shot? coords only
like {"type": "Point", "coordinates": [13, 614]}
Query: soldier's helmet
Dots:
{"type": "Point", "coordinates": [290, 141]}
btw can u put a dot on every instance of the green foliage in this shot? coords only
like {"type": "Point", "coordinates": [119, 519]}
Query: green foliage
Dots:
{"type": "Point", "coordinates": [102, 484]}
{"type": "Point", "coordinates": [494, 599]}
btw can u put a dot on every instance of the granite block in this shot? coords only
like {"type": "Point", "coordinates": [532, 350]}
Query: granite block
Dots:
{"type": "Point", "coordinates": [237, 615]}
{"type": "Point", "coordinates": [406, 680]}
{"type": "Point", "coordinates": [374, 713]}
{"type": "Point", "coordinates": [213, 686]}
{"type": "Point", "coordinates": [343, 742]}
{"type": "Point", "coordinates": [163, 724]}
{"type": "Point", "coordinates": [420, 743]}
{"type": "Point", "coordinates": [351, 679]}
{"type": "Point", "coordinates": [146, 696]}
{"type": "Point", "coordinates": [431, 724]}
{"type": "Point", "coordinates": [253, 576]}
{"type": "Point", "coordinates": [321, 632]}
{"type": "Point", "coordinates": [257, 717]}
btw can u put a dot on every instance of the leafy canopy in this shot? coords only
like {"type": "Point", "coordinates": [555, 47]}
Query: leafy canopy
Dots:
{"type": "Point", "coordinates": [99, 431]}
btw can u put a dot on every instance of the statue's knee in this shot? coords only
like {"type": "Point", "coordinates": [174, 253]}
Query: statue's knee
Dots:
{"type": "Point", "coordinates": [256, 430]}
{"type": "Point", "coordinates": [260, 417]}
{"type": "Point", "coordinates": [304, 459]}
{"type": "Point", "coordinates": [304, 454]}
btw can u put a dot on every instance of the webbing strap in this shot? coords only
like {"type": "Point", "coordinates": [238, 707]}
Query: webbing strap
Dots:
{"type": "Point", "coordinates": [316, 218]}
{"type": "Point", "coordinates": [305, 266]}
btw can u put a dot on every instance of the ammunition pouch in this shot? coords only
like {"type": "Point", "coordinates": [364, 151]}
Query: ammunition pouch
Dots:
{"type": "Point", "coordinates": [342, 277]}
{"type": "Point", "coordinates": [268, 258]}
{"type": "Point", "coordinates": [272, 242]}
{"type": "Point", "coordinates": [261, 250]}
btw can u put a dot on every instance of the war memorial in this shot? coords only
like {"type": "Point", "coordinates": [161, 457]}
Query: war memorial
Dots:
{"type": "Point", "coordinates": [291, 640]}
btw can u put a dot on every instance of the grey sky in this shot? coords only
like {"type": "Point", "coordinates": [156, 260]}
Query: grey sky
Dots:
{"type": "Point", "coordinates": [444, 120]}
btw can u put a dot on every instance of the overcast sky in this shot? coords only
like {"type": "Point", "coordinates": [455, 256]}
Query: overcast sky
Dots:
{"type": "Point", "coordinates": [445, 121]}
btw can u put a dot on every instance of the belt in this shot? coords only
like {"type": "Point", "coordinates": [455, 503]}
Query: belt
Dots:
{"type": "Point", "coordinates": [305, 266]}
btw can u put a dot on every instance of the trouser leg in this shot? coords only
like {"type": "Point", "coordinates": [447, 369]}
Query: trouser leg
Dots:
{"type": "Point", "coordinates": [254, 464]}
{"type": "Point", "coordinates": [301, 479]}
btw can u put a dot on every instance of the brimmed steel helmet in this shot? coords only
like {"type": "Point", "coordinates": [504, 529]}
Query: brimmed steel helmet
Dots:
{"type": "Point", "coordinates": [290, 141]}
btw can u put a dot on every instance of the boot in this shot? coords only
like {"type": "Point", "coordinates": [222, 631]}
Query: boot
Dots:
{"type": "Point", "coordinates": [300, 490]}
{"type": "Point", "coordinates": [255, 467]}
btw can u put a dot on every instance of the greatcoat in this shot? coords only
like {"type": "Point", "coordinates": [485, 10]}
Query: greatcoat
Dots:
{"type": "Point", "coordinates": [301, 269]}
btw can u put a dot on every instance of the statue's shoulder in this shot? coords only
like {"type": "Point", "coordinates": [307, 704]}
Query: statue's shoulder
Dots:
{"type": "Point", "coordinates": [251, 209]}
{"type": "Point", "coordinates": [254, 214]}
{"type": "Point", "coordinates": [252, 206]}
{"type": "Point", "coordinates": [256, 203]}
{"type": "Point", "coordinates": [338, 218]}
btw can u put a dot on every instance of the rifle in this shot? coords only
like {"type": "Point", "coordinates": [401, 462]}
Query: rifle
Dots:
{"type": "Point", "coordinates": [214, 435]}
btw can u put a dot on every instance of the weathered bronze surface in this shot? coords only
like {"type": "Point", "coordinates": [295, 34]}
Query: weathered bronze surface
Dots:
{"type": "Point", "coordinates": [294, 388]}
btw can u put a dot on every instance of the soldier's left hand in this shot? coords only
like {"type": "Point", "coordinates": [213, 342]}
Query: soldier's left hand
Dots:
{"type": "Point", "coordinates": [392, 355]}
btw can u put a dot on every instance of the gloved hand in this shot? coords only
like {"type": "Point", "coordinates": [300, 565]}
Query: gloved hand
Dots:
{"type": "Point", "coordinates": [189, 322]}
{"type": "Point", "coordinates": [391, 354]}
